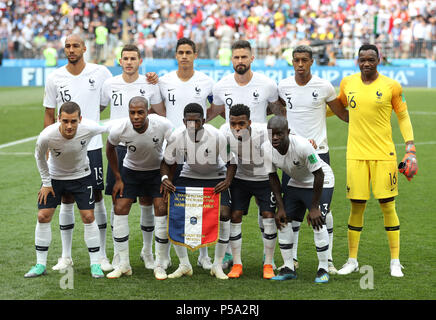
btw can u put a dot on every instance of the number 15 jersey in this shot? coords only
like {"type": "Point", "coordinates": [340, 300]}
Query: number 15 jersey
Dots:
{"type": "Point", "coordinates": [83, 89]}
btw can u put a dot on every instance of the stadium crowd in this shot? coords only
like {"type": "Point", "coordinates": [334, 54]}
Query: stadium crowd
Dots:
{"type": "Point", "coordinates": [401, 28]}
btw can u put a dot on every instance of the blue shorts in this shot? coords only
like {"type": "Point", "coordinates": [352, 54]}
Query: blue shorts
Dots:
{"type": "Point", "coordinates": [242, 190]}
{"type": "Point", "coordinates": [298, 200]}
{"type": "Point", "coordinates": [140, 183]}
{"type": "Point", "coordinates": [96, 166]}
{"type": "Point", "coordinates": [110, 178]}
{"type": "Point", "coordinates": [205, 183]}
{"type": "Point", "coordinates": [81, 189]}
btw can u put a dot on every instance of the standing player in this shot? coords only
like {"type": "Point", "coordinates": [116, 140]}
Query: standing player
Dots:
{"type": "Point", "coordinates": [245, 139]}
{"type": "Point", "coordinates": [203, 151]}
{"type": "Point", "coordinates": [117, 91]}
{"type": "Point", "coordinates": [66, 171]}
{"type": "Point", "coordinates": [181, 87]}
{"type": "Point", "coordinates": [81, 82]}
{"type": "Point", "coordinates": [139, 174]}
{"type": "Point", "coordinates": [371, 157]}
{"type": "Point", "coordinates": [310, 187]}
{"type": "Point", "coordinates": [244, 86]}
{"type": "Point", "coordinates": [306, 96]}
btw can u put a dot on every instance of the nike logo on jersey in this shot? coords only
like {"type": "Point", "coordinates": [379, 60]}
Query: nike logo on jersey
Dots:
{"type": "Point", "coordinates": [61, 87]}
{"type": "Point", "coordinates": [172, 89]}
{"type": "Point", "coordinates": [227, 94]}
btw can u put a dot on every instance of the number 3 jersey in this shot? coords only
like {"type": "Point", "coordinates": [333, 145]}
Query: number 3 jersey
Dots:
{"type": "Point", "coordinates": [83, 89]}
{"type": "Point", "coordinates": [68, 158]}
{"type": "Point", "coordinates": [118, 93]}
{"type": "Point", "coordinates": [306, 108]}
{"type": "Point", "coordinates": [177, 94]}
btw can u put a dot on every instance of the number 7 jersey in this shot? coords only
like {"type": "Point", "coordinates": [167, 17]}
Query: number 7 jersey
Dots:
{"type": "Point", "coordinates": [370, 109]}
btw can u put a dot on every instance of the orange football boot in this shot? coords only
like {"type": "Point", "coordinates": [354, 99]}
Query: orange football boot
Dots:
{"type": "Point", "coordinates": [236, 271]}
{"type": "Point", "coordinates": [268, 271]}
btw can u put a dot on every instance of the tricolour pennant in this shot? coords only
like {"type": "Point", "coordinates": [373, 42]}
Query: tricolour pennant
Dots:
{"type": "Point", "coordinates": [193, 217]}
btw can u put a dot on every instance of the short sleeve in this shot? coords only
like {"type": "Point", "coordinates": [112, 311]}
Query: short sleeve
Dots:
{"type": "Point", "coordinates": [49, 94]}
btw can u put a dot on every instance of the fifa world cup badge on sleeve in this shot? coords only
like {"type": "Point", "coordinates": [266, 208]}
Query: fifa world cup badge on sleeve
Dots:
{"type": "Point", "coordinates": [193, 217]}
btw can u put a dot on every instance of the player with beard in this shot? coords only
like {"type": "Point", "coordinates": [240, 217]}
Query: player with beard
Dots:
{"type": "Point", "coordinates": [252, 89]}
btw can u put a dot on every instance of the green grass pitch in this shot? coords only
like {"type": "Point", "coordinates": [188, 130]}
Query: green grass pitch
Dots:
{"type": "Point", "coordinates": [22, 117]}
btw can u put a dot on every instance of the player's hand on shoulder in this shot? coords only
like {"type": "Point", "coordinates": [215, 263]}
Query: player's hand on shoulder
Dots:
{"type": "Point", "coordinates": [152, 77]}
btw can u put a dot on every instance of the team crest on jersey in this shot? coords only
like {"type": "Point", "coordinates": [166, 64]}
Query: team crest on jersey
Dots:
{"type": "Point", "coordinates": [156, 141]}
{"type": "Point", "coordinates": [379, 94]}
{"type": "Point", "coordinates": [91, 83]}
{"type": "Point", "coordinates": [57, 152]}
{"type": "Point", "coordinates": [256, 95]}
{"type": "Point", "coordinates": [197, 90]}
{"type": "Point", "coordinates": [83, 143]}
{"type": "Point", "coordinates": [142, 92]}
{"type": "Point", "coordinates": [315, 95]}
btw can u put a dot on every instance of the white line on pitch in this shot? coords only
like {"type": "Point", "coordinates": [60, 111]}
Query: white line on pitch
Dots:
{"type": "Point", "coordinates": [16, 153]}
{"type": "Point", "coordinates": [13, 143]}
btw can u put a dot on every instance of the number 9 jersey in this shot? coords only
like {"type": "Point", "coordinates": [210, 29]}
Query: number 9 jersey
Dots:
{"type": "Point", "coordinates": [370, 108]}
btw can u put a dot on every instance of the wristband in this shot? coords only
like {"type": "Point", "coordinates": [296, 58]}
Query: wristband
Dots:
{"type": "Point", "coordinates": [163, 178]}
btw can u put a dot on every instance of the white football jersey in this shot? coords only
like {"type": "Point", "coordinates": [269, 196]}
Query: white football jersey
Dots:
{"type": "Point", "coordinates": [118, 93]}
{"type": "Point", "coordinates": [205, 159]}
{"type": "Point", "coordinates": [68, 158]}
{"type": "Point", "coordinates": [306, 108]}
{"type": "Point", "coordinates": [83, 89]}
{"type": "Point", "coordinates": [144, 150]}
{"type": "Point", "coordinates": [256, 95]}
{"type": "Point", "coordinates": [248, 152]}
{"type": "Point", "coordinates": [298, 163]}
{"type": "Point", "coordinates": [176, 94]}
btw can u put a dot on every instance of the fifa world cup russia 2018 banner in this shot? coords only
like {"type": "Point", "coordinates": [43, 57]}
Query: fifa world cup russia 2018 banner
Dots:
{"type": "Point", "coordinates": [193, 217]}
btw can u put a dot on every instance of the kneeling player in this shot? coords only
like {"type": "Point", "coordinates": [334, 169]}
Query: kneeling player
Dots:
{"type": "Point", "coordinates": [66, 171]}
{"type": "Point", "coordinates": [245, 139]}
{"type": "Point", "coordinates": [203, 151]}
{"type": "Point", "coordinates": [308, 174]}
{"type": "Point", "coordinates": [143, 136]}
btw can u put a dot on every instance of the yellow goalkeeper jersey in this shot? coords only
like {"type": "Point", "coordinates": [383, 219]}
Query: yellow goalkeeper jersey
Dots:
{"type": "Point", "coordinates": [370, 109]}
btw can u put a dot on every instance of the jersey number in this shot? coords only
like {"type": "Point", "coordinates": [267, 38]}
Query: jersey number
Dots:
{"type": "Point", "coordinates": [117, 98]}
{"type": "Point", "coordinates": [171, 98]}
{"type": "Point", "coordinates": [351, 102]}
{"type": "Point", "coordinates": [289, 102]}
{"type": "Point", "coordinates": [65, 96]}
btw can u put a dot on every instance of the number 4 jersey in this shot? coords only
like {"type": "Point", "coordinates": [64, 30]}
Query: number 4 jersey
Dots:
{"type": "Point", "coordinates": [83, 89]}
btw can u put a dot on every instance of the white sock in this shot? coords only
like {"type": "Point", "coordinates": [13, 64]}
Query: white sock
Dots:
{"type": "Point", "coordinates": [296, 231]}
{"type": "Point", "coordinates": [42, 241]}
{"type": "Point", "coordinates": [161, 243]}
{"type": "Point", "coordinates": [66, 225]}
{"type": "Point", "coordinates": [101, 219]}
{"type": "Point", "coordinates": [147, 227]}
{"type": "Point", "coordinates": [92, 240]}
{"type": "Point", "coordinates": [182, 254]}
{"type": "Point", "coordinates": [269, 239]}
{"type": "Point", "coordinates": [329, 225]}
{"type": "Point", "coordinates": [286, 243]}
{"type": "Point", "coordinates": [236, 241]}
{"type": "Point", "coordinates": [121, 237]}
{"type": "Point", "coordinates": [321, 238]}
{"type": "Point", "coordinates": [203, 252]}
{"type": "Point", "coordinates": [223, 242]}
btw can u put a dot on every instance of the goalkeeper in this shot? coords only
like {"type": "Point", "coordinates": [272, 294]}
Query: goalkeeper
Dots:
{"type": "Point", "coordinates": [371, 158]}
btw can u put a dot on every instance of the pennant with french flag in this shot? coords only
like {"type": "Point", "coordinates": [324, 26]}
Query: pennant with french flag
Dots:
{"type": "Point", "coordinates": [193, 217]}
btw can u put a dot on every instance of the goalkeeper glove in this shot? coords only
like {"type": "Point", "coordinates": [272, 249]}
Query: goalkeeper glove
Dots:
{"type": "Point", "coordinates": [409, 165]}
